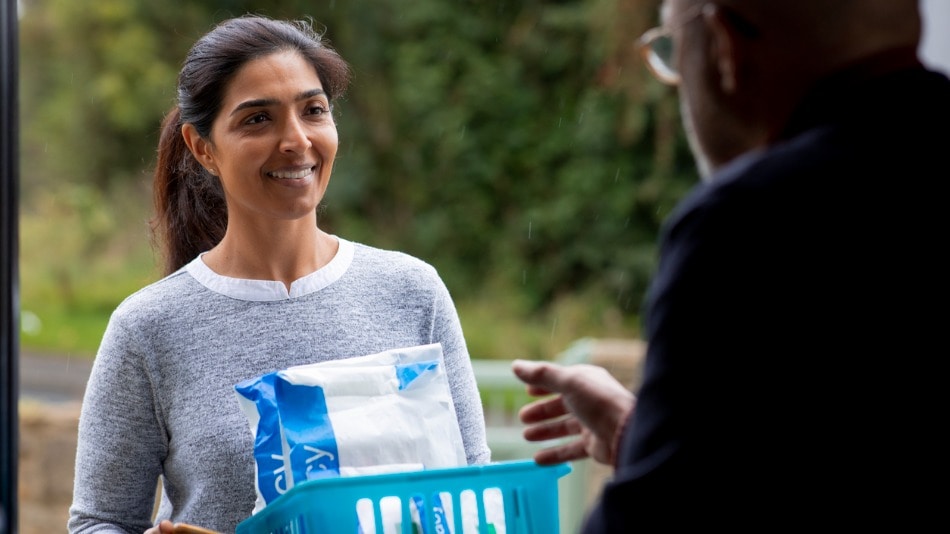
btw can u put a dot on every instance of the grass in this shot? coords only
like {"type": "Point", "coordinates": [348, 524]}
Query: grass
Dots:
{"type": "Point", "coordinates": [51, 322]}
{"type": "Point", "coordinates": [61, 331]}
{"type": "Point", "coordinates": [79, 257]}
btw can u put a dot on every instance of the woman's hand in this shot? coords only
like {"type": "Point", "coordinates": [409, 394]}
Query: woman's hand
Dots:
{"type": "Point", "coordinates": [589, 403]}
{"type": "Point", "coordinates": [165, 527]}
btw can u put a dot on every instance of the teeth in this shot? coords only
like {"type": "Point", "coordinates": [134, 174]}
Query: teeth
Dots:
{"type": "Point", "coordinates": [291, 175]}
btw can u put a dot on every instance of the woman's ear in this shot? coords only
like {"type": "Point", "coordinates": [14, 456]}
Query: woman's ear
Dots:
{"type": "Point", "coordinates": [725, 47]}
{"type": "Point", "coordinates": [200, 147]}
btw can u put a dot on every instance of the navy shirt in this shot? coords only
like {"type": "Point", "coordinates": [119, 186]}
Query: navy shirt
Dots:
{"type": "Point", "coordinates": [794, 324]}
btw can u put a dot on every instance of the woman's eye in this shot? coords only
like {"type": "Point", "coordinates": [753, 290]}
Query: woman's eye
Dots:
{"type": "Point", "coordinates": [257, 118]}
{"type": "Point", "coordinates": [316, 110]}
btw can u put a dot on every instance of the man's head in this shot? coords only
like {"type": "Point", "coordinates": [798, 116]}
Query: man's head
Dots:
{"type": "Point", "coordinates": [745, 64]}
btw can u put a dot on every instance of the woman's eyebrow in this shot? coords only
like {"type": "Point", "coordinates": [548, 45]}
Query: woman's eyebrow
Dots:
{"type": "Point", "coordinates": [264, 102]}
{"type": "Point", "coordinates": [310, 94]}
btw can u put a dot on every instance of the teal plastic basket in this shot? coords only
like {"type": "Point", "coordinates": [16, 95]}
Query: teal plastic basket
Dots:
{"type": "Point", "coordinates": [525, 491]}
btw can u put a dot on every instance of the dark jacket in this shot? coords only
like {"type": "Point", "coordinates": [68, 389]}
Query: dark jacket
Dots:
{"type": "Point", "coordinates": [795, 325]}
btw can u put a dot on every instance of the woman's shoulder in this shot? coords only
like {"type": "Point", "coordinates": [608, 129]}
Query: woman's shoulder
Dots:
{"type": "Point", "coordinates": [167, 296]}
{"type": "Point", "coordinates": [393, 260]}
{"type": "Point", "coordinates": [400, 268]}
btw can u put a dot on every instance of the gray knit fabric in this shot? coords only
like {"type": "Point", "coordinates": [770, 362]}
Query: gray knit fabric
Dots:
{"type": "Point", "coordinates": [161, 401]}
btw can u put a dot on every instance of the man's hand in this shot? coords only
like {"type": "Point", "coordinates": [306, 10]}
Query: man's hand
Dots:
{"type": "Point", "coordinates": [588, 402]}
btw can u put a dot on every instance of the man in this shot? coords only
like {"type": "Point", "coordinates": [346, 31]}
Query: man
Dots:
{"type": "Point", "coordinates": [792, 323]}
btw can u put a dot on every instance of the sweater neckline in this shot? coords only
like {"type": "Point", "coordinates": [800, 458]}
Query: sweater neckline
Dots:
{"type": "Point", "coordinates": [272, 290]}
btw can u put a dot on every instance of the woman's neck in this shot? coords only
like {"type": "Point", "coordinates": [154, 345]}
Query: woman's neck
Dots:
{"type": "Point", "coordinates": [286, 254]}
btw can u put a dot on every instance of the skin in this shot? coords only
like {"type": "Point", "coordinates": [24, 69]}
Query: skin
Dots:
{"type": "Point", "coordinates": [273, 147]}
{"type": "Point", "coordinates": [737, 93]}
{"type": "Point", "coordinates": [715, 119]}
{"type": "Point", "coordinates": [590, 404]}
{"type": "Point", "coordinates": [167, 527]}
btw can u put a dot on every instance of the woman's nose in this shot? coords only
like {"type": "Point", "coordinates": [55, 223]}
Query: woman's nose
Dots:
{"type": "Point", "coordinates": [294, 137]}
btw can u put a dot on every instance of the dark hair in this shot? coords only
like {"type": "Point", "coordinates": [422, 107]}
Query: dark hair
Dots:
{"type": "Point", "coordinates": [190, 211]}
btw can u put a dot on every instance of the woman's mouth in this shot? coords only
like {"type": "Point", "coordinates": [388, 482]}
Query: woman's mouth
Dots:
{"type": "Point", "coordinates": [291, 174]}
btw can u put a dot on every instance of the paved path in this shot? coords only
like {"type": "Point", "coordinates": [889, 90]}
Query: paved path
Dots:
{"type": "Point", "coordinates": [53, 378]}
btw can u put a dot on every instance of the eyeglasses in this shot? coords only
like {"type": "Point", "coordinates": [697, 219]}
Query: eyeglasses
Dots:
{"type": "Point", "coordinates": [656, 46]}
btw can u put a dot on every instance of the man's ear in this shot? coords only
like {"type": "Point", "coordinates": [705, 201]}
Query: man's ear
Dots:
{"type": "Point", "coordinates": [726, 46]}
{"type": "Point", "coordinates": [199, 147]}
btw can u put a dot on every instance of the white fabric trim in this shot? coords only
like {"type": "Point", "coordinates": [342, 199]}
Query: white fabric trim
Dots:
{"type": "Point", "coordinates": [270, 290]}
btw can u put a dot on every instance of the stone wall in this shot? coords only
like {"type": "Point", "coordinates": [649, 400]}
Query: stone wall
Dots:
{"type": "Point", "coordinates": [47, 454]}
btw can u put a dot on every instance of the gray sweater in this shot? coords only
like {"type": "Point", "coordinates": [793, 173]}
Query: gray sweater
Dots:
{"type": "Point", "coordinates": [161, 400]}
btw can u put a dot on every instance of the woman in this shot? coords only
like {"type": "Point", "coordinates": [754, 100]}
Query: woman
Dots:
{"type": "Point", "coordinates": [253, 285]}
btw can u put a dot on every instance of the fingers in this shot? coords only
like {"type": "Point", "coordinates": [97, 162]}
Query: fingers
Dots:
{"type": "Point", "coordinates": [185, 528]}
{"type": "Point", "coordinates": [559, 428]}
{"type": "Point", "coordinates": [536, 391]}
{"type": "Point", "coordinates": [542, 410]}
{"type": "Point", "coordinates": [164, 527]}
{"type": "Point", "coordinates": [541, 377]}
{"type": "Point", "coordinates": [562, 453]}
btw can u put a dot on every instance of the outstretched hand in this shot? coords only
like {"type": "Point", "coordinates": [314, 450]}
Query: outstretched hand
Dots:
{"type": "Point", "coordinates": [588, 402]}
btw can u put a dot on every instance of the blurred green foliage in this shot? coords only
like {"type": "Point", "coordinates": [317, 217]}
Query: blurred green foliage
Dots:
{"type": "Point", "coordinates": [518, 146]}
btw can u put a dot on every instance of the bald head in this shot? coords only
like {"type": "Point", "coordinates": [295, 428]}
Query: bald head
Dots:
{"type": "Point", "coordinates": [746, 64]}
{"type": "Point", "coordinates": [831, 33]}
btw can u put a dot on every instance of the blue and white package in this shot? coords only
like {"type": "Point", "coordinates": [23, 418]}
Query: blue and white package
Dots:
{"type": "Point", "coordinates": [384, 412]}
{"type": "Point", "coordinates": [307, 431]}
{"type": "Point", "coordinates": [259, 404]}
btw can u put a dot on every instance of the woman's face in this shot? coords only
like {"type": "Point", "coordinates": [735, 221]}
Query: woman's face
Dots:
{"type": "Point", "coordinates": [274, 141]}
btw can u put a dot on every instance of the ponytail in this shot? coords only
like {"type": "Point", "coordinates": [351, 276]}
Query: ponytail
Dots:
{"type": "Point", "coordinates": [190, 212]}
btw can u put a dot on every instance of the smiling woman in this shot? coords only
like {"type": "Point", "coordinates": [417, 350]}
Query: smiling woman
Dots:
{"type": "Point", "coordinates": [272, 148]}
{"type": "Point", "coordinates": [252, 285]}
